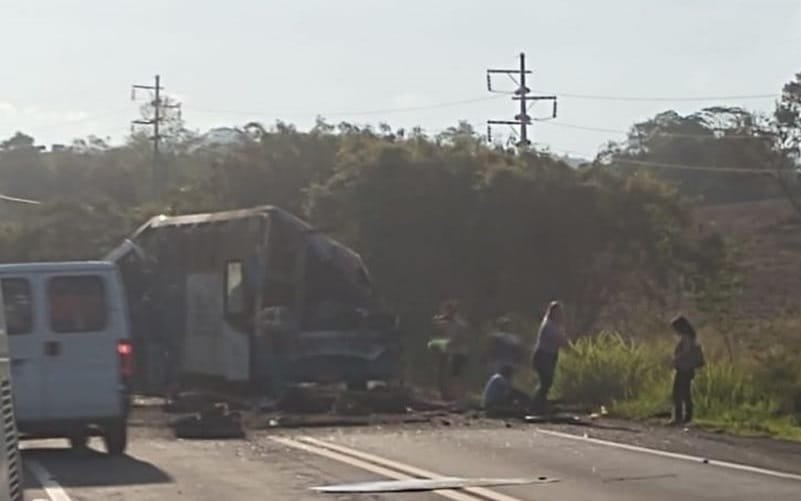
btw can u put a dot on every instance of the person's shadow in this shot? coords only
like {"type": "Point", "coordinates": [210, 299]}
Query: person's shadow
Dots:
{"type": "Point", "coordinates": [90, 468]}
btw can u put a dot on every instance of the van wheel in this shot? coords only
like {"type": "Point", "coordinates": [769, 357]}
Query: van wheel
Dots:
{"type": "Point", "coordinates": [115, 437]}
{"type": "Point", "coordinates": [79, 441]}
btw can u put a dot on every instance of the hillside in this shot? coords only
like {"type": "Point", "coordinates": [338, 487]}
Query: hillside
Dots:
{"type": "Point", "coordinates": [768, 238]}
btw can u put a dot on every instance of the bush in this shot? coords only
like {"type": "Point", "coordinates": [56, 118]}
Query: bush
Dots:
{"type": "Point", "coordinates": [605, 369]}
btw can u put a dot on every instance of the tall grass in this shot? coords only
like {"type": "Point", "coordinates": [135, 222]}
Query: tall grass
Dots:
{"type": "Point", "coordinates": [605, 369]}
{"type": "Point", "coordinates": [635, 380]}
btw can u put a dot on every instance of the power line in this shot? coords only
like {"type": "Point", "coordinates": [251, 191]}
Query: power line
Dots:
{"type": "Point", "coordinates": [445, 104]}
{"type": "Point", "coordinates": [716, 133]}
{"type": "Point", "coordinates": [645, 163]}
{"type": "Point", "coordinates": [597, 97]}
{"type": "Point", "coordinates": [88, 118]}
{"type": "Point", "coordinates": [522, 120]}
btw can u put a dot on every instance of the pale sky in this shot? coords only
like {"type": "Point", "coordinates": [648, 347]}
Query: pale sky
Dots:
{"type": "Point", "coordinates": [67, 65]}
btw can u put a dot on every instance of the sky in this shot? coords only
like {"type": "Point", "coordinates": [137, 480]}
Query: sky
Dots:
{"type": "Point", "coordinates": [68, 65]}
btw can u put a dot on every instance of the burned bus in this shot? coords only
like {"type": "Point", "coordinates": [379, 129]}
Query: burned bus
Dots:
{"type": "Point", "coordinates": [254, 297]}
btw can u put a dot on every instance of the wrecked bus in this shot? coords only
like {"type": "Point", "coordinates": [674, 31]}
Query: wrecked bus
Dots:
{"type": "Point", "coordinates": [254, 297]}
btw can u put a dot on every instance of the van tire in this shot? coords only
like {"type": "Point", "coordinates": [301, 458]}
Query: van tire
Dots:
{"type": "Point", "coordinates": [79, 441]}
{"type": "Point", "coordinates": [115, 437]}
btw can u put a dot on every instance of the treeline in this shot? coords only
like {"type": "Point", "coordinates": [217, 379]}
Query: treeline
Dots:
{"type": "Point", "coordinates": [437, 217]}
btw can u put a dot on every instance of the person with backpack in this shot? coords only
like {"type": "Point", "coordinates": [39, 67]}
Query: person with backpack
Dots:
{"type": "Point", "coordinates": [687, 358]}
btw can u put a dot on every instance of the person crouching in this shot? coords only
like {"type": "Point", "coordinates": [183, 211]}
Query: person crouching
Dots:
{"type": "Point", "coordinates": [500, 397]}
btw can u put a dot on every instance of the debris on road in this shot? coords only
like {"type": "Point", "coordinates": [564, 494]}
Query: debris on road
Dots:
{"type": "Point", "coordinates": [331, 421]}
{"type": "Point", "coordinates": [428, 484]}
{"type": "Point", "coordinates": [216, 422]}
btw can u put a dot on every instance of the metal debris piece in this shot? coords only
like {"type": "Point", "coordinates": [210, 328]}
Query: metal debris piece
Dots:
{"type": "Point", "coordinates": [555, 419]}
{"type": "Point", "coordinates": [216, 422]}
{"type": "Point", "coordinates": [641, 477]}
{"type": "Point", "coordinates": [428, 484]}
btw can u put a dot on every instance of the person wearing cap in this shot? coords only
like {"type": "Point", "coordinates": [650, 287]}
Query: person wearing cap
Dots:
{"type": "Point", "coordinates": [687, 358]}
{"type": "Point", "coordinates": [550, 340]}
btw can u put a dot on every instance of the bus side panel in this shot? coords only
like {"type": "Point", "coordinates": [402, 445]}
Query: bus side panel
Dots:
{"type": "Point", "coordinates": [203, 341]}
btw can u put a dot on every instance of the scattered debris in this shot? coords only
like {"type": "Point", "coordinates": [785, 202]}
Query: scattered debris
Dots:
{"type": "Point", "coordinates": [428, 484]}
{"type": "Point", "coordinates": [216, 422]}
{"type": "Point", "coordinates": [331, 421]}
{"type": "Point", "coordinates": [641, 477]}
{"type": "Point", "coordinates": [556, 419]}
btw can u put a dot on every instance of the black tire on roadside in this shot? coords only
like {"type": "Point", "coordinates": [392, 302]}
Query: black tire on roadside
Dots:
{"type": "Point", "coordinates": [79, 441]}
{"type": "Point", "coordinates": [357, 385]}
{"type": "Point", "coordinates": [115, 437]}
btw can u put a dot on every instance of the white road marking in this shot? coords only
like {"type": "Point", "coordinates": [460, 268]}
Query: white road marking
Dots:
{"type": "Point", "coordinates": [674, 455]}
{"type": "Point", "coordinates": [405, 468]}
{"type": "Point", "coordinates": [378, 470]}
{"type": "Point", "coordinates": [53, 490]}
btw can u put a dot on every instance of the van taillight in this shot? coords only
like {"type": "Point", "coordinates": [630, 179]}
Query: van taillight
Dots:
{"type": "Point", "coordinates": [125, 354]}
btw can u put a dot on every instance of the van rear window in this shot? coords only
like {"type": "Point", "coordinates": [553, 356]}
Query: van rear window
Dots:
{"type": "Point", "coordinates": [18, 304]}
{"type": "Point", "coordinates": [77, 304]}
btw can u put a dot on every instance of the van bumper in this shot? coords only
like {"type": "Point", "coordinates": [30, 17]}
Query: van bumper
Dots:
{"type": "Point", "coordinates": [63, 428]}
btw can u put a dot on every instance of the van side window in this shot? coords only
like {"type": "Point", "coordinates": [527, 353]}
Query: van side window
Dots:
{"type": "Point", "coordinates": [234, 288]}
{"type": "Point", "coordinates": [18, 304]}
{"type": "Point", "coordinates": [77, 304]}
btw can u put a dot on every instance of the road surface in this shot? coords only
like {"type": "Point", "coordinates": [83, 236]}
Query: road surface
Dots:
{"type": "Point", "coordinates": [285, 465]}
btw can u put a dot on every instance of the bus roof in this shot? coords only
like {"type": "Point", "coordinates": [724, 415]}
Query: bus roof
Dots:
{"type": "Point", "coordinates": [223, 216]}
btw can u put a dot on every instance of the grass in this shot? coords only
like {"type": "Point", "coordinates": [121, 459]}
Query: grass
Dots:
{"type": "Point", "coordinates": [634, 380]}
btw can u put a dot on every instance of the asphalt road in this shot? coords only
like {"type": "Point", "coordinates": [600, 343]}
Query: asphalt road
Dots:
{"type": "Point", "coordinates": [285, 466]}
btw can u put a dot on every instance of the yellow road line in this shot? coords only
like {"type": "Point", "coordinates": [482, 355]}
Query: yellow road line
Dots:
{"type": "Point", "coordinates": [404, 468]}
{"type": "Point", "coordinates": [363, 465]}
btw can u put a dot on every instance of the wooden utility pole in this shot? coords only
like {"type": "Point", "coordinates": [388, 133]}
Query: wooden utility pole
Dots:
{"type": "Point", "coordinates": [522, 93]}
{"type": "Point", "coordinates": [158, 104]}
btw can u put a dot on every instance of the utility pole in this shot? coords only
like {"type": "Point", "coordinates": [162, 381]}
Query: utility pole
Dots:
{"type": "Point", "coordinates": [522, 94]}
{"type": "Point", "coordinates": [159, 176]}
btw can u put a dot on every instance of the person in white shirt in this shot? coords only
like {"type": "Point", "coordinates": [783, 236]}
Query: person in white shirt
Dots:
{"type": "Point", "coordinates": [550, 340]}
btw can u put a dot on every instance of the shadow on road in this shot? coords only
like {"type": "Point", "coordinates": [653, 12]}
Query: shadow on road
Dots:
{"type": "Point", "coordinates": [91, 468]}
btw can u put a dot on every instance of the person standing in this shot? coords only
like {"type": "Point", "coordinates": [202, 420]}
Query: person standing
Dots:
{"type": "Point", "coordinates": [687, 358]}
{"type": "Point", "coordinates": [451, 349]}
{"type": "Point", "coordinates": [550, 340]}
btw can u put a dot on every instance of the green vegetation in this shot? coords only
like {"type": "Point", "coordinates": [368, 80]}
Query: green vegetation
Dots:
{"type": "Point", "coordinates": [619, 239]}
{"type": "Point", "coordinates": [634, 379]}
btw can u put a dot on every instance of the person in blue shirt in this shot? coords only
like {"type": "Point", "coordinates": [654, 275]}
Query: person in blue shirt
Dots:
{"type": "Point", "coordinates": [500, 396]}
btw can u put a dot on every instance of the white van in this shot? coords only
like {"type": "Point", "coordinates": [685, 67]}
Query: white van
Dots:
{"type": "Point", "coordinates": [10, 462]}
{"type": "Point", "coordinates": [71, 358]}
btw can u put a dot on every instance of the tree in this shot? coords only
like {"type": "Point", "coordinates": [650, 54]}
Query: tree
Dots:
{"type": "Point", "coordinates": [787, 129]}
{"type": "Point", "coordinates": [697, 152]}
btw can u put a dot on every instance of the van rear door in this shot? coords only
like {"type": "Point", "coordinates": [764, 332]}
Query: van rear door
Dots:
{"type": "Point", "coordinates": [81, 346]}
{"type": "Point", "coordinates": [25, 339]}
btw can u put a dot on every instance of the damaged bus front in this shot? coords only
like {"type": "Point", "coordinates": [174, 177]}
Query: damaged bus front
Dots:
{"type": "Point", "coordinates": [256, 297]}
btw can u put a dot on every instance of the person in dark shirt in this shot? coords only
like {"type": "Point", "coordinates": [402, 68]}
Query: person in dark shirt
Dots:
{"type": "Point", "coordinates": [687, 358]}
